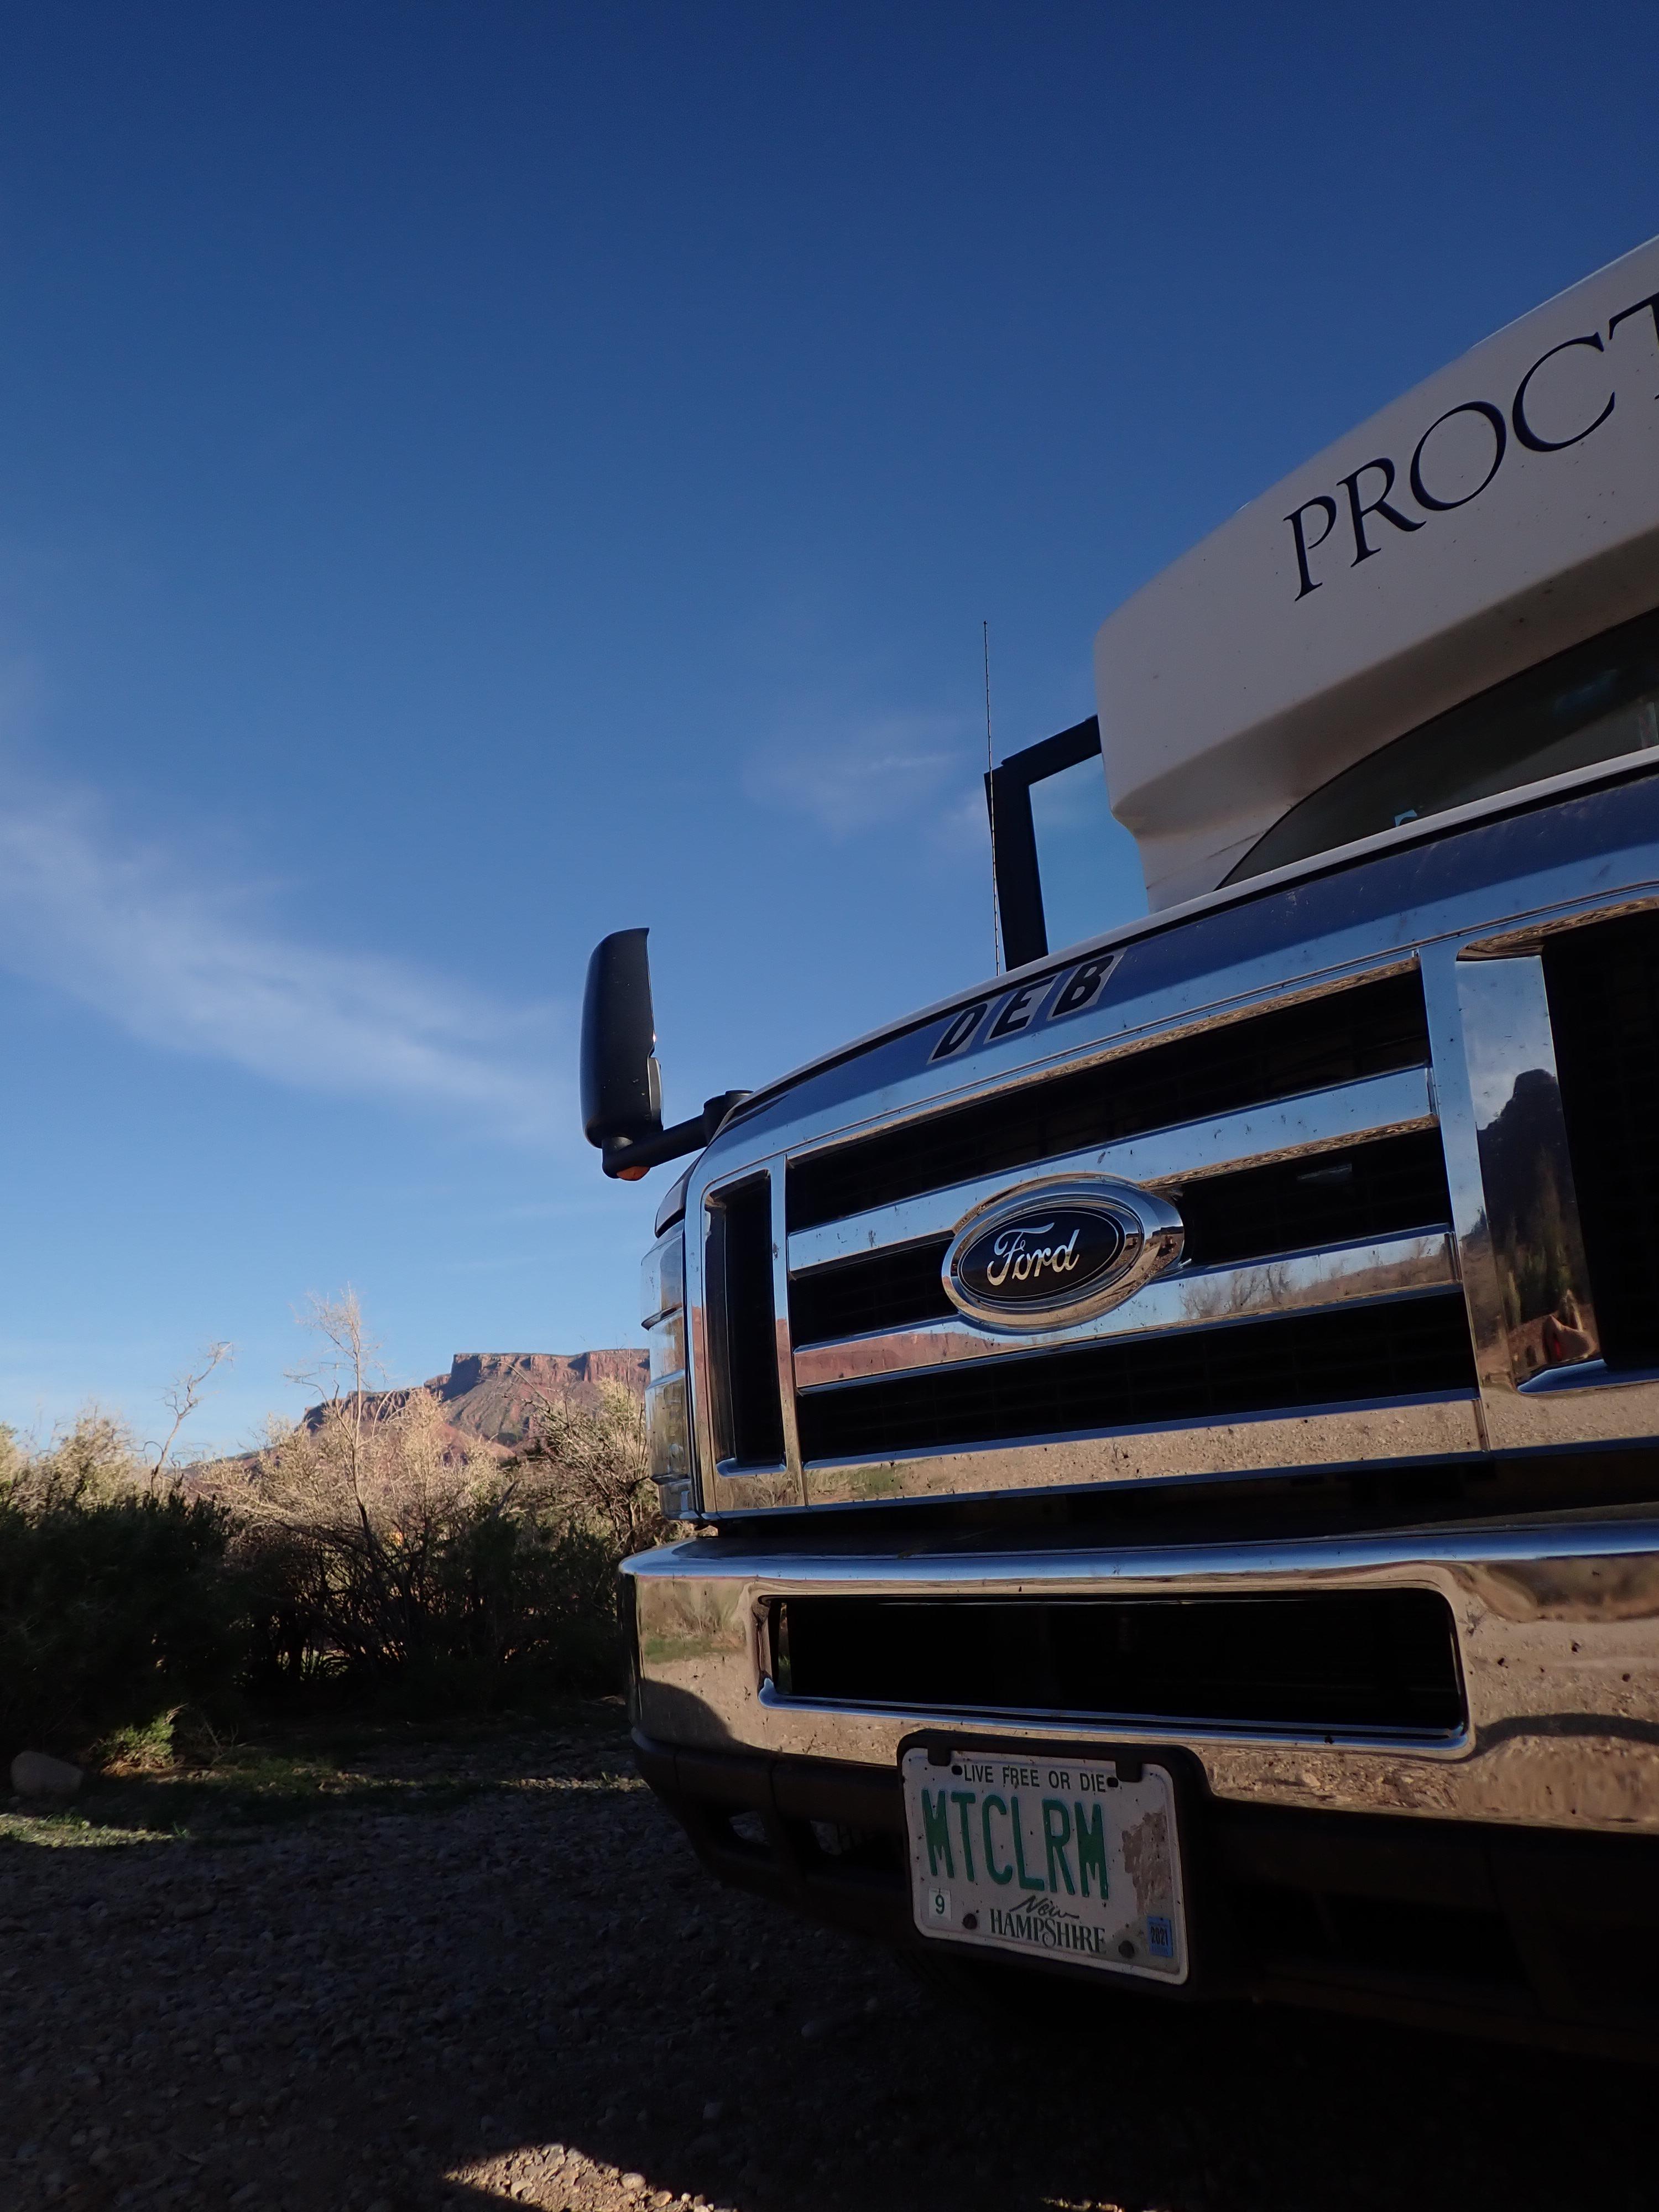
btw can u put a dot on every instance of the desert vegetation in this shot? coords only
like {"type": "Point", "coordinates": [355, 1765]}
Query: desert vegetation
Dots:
{"type": "Point", "coordinates": [358, 1556]}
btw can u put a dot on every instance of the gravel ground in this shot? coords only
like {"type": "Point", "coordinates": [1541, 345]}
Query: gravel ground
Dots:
{"type": "Point", "coordinates": [518, 1986]}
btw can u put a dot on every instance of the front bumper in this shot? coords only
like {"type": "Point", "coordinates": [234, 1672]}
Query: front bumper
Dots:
{"type": "Point", "coordinates": [1556, 1624]}
{"type": "Point", "coordinates": [1502, 1877]}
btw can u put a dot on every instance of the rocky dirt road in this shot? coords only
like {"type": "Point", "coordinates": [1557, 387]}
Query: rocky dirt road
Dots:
{"type": "Point", "coordinates": [494, 1974]}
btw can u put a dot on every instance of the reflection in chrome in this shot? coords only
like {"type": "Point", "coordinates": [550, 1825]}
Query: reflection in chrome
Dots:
{"type": "Point", "coordinates": [667, 1409]}
{"type": "Point", "coordinates": [1532, 1212]}
{"type": "Point", "coordinates": [1398, 1267]}
{"type": "Point", "coordinates": [782, 1347]}
{"type": "Point", "coordinates": [666, 1345]}
{"type": "Point", "coordinates": [1441, 1427]}
{"type": "Point", "coordinates": [1590, 1375]}
{"type": "Point", "coordinates": [1289, 1128]}
{"type": "Point", "coordinates": [1513, 1208]}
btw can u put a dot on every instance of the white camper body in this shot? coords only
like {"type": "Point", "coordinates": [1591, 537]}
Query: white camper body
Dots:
{"type": "Point", "coordinates": [1504, 510]}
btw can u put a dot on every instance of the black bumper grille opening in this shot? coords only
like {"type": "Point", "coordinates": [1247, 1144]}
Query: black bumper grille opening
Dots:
{"type": "Point", "coordinates": [1292, 1928]}
{"type": "Point", "coordinates": [875, 1851]}
{"type": "Point", "coordinates": [1397, 1348]}
{"type": "Point", "coordinates": [1604, 1007]}
{"type": "Point", "coordinates": [1380, 1660]}
{"type": "Point", "coordinates": [1369, 1030]}
{"type": "Point", "coordinates": [747, 1408]}
{"type": "Point", "coordinates": [1615, 1964]}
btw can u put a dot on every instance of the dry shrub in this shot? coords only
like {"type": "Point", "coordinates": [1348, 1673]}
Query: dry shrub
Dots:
{"type": "Point", "coordinates": [390, 1561]}
{"type": "Point", "coordinates": [599, 1463]}
{"type": "Point", "coordinates": [363, 1551]}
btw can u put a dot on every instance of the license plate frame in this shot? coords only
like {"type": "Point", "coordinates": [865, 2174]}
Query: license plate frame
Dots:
{"type": "Point", "coordinates": [1109, 1818]}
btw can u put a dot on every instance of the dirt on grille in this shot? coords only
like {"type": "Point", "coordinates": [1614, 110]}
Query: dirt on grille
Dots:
{"type": "Point", "coordinates": [406, 1974]}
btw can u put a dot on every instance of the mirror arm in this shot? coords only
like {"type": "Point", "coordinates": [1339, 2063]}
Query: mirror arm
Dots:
{"type": "Point", "coordinates": [630, 1162]}
{"type": "Point", "coordinates": [1014, 863]}
{"type": "Point", "coordinates": [1013, 835]}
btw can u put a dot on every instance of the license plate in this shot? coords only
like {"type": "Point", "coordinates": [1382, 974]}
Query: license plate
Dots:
{"type": "Point", "coordinates": [1047, 1854]}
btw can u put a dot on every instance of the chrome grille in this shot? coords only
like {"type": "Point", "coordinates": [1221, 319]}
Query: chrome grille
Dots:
{"type": "Point", "coordinates": [1379, 1189]}
{"type": "Point", "coordinates": [1363, 1131]}
{"type": "Point", "coordinates": [1417, 1346]}
{"type": "Point", "coordinates": [1367, 1031]}
{"type": "Point", "coordinates": [1349, 1208]}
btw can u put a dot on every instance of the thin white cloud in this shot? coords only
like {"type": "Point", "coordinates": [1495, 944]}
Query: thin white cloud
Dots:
{"type": "Point", "coordinates": [186, 963]}
{"type": "Point", "coordinates": [964, 827]}
{"type": "Point", "coordinates": [891, 768]}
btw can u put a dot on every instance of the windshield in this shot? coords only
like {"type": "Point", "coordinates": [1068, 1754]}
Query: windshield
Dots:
{"type": "Point", "coordinates": [1596, 702]}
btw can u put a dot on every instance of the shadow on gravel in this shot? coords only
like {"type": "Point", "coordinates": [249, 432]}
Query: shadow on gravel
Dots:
{"type": "Point", "coordinates": [535, 1997]}
{"type": "Point", "coordinates": [915, 2103]}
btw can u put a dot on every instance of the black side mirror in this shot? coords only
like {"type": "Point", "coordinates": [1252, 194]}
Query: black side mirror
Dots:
{"type": "Point", "coordinates": [620, 1082]}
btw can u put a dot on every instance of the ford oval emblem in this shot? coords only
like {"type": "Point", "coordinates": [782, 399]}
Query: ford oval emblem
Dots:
{"type": "Point", "coordinates": [1051, 1253]}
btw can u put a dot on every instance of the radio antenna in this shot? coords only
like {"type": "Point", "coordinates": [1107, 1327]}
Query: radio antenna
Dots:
{"type": "Point", "coordinates": [991, 807]}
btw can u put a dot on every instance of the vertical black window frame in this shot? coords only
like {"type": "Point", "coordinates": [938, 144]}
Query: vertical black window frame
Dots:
{"type": "Point", "coordinates": [747, 1407]}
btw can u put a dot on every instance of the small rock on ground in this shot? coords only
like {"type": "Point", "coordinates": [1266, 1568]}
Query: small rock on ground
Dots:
{"type": "Point", "coordinates": [34, 1774]}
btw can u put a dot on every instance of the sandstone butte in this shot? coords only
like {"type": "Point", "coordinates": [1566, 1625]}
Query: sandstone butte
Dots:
{"type": "Point", "coordinates": [491, 1398]}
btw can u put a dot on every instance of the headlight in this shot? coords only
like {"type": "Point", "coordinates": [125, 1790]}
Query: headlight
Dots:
{"type": "Point", "coordinates": [662, 1278]}
{"type": "Point", "coordinates": [667, 1405]}
{"type": "Point", "coordinates": [667, 1431]}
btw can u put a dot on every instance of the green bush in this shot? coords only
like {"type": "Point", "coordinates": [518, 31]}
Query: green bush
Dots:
{"type": "Point", "coordinates": [116, 1603]}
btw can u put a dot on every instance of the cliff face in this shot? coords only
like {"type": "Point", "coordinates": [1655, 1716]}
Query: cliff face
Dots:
{"type": "Point", "coordinates": [491, 1398]}
{"type": "Point", "coordinates": [493, 1395]}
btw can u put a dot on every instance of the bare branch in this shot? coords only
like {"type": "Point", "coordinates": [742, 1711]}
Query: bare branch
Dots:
{"type": "Point", "coordinates": [182, 1399]}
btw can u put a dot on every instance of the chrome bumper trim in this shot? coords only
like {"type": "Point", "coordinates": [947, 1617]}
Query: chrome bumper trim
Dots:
{"type": "Point", "coordinates": [1558, 1629]}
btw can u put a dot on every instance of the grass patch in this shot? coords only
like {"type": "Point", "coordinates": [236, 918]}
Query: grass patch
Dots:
{"type": "Point", "coordinates": [310, 1773]}
{"type": "Point", "coordinates": [60, 1831]}
{"type": "Point", "coordinates": [664, 1650]}
{"type": "Point", "coordinates": [260, 1787]}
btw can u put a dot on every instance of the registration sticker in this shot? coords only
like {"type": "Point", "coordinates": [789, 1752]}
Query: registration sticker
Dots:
{"type": "Point", "coordinates": [1047, 1854]}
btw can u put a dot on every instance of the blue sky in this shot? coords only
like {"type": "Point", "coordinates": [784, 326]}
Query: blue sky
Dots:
{"type": "Point", "coordinates": [475, 477]}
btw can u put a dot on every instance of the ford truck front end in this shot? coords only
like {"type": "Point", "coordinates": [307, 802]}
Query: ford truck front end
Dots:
{"type": "Point", "coordinates": [1170, 1431]}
